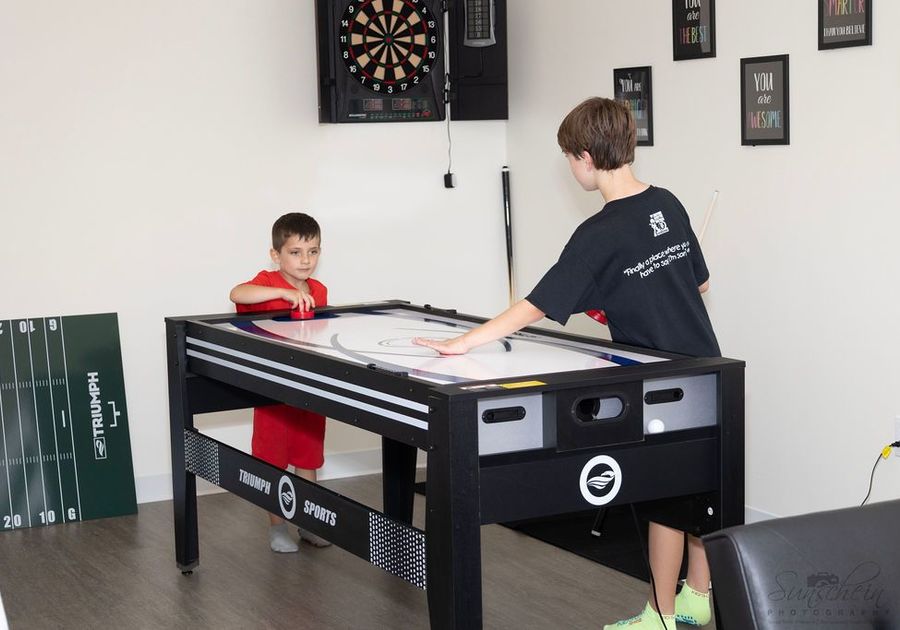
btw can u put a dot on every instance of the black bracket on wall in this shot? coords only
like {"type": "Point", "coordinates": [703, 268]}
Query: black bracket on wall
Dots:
{"type": "Point", "coordinates": [478, 66]}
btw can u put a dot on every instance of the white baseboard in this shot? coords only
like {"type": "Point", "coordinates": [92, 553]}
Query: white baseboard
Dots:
{"type": "Point", "coordinates": [752, 515]}
{"type": "Point", "coordinates": [151, 488]}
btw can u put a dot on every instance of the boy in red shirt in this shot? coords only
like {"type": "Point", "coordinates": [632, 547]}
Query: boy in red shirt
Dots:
{"type": "Point", "coordinates": [284, 435]}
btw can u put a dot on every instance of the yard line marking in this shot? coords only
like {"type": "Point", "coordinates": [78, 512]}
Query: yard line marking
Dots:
{"type": "Point", "coordinates": [6, 452]}
{"type": "Point", "coordinates": [37, 422]}
{"type": "Point", "coordinates": [62, 501]}
{"type": "Point", "coordinates": [62, 330]}
{"type": "Point", "coordinates": [12, 347]}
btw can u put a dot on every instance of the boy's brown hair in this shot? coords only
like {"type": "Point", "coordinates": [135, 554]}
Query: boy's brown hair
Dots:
{"type": "Point", "coordinates": [293, 223]}
{"type": "Point", "coordinates": [604, 128]}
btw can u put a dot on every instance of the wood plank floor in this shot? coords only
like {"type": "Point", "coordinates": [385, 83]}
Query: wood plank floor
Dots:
{"type": "Point", "coordinates": [121, 573]}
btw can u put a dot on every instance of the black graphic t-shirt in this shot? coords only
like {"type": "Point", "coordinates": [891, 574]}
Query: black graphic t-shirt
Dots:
{"type": "Point", "coordinates": [639, 261]}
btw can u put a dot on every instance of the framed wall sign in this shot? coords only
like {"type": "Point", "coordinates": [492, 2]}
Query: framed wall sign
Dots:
{"type": "Point", "coordinates": [693, 29]}
{"type": "Point", "coordinates": [765, 112]}
{"type": "Point", "coordinates": [632, 86]}
{"type": "Point", "coordinates": [844, 23]}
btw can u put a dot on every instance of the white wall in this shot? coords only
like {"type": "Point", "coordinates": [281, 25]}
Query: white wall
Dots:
{"type": "Point", "coordinates": [146, 149]}
{"type": "Point", "coordinates": [802, 244]}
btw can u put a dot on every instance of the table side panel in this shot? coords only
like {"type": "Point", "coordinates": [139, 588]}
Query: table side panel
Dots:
{"type": "Point", "coordinates": [396, 547]}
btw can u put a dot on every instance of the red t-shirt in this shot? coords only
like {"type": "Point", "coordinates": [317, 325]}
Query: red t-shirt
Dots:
{"type": "Point", "coordinates": [275, 279]}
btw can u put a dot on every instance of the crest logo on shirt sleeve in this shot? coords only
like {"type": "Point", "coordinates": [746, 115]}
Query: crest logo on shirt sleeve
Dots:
{"type": "Point", "coordinates": [658, 223]}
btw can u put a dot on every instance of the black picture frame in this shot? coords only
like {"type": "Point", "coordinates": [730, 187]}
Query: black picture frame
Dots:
{"type": "Point", "coordinates": [841, 29]}
{"type": "Point", "coordinates": [765, 82]}
{"type": "Point", "coordinates": [693, 29]}
{"type": "Point", "coordinates": [634, 87]}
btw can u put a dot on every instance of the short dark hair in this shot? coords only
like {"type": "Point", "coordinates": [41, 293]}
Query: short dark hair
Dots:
{"type": "Point", "coordinates": [294, 223]}
{"type": "Point", "coordinates": [604, 128]}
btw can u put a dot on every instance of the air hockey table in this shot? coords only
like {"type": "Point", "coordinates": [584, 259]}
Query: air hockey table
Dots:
{"type": "Point", "coordinates": [539, 423]}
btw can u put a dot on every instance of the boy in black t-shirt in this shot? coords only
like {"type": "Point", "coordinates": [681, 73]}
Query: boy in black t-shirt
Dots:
{"type": "Point", "coordinates": [639, 260]}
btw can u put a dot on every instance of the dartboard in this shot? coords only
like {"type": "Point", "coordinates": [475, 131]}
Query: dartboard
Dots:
{"type": "Point", "coordinates": [389, 46]}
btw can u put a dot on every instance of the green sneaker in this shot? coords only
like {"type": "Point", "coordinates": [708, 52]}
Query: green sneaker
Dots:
{"type": "Point", "coordinates": [692, 607]}
{"type": "Point", "coordinates": [647, 620]}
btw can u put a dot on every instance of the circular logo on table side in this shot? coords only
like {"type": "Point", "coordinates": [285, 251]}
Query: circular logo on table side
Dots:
{"type": "Point", "coordinates": [601, 480]}
{"type": "Point", "coordinates": [287, 497]}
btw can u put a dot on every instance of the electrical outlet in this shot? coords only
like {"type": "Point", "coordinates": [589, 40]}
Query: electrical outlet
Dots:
{"type": "Point", "coordinates": [897, 434]}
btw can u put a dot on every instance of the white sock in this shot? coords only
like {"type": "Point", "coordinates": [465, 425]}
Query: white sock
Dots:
{"type": "Point", "coordinates": [280, 539]}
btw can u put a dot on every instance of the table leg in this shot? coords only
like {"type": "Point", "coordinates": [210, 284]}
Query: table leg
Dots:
{"type": "Point", "coordinates": [453, 519]}
{"type": "Point", "coordinates": [398, 462]}
{"type": "Point", "coordinates": [731, 458]}
{"type": "Point", "coordinates": [184, 484]}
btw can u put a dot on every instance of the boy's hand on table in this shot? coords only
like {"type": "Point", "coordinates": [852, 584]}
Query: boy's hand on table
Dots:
{"type": "Point", "coordinates": [444, 346]}
{"type": "Point", "coordinates": [299, 299]}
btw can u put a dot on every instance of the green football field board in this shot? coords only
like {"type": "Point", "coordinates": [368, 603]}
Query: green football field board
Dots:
{"type": "Point", "coordinates": [65, 454]}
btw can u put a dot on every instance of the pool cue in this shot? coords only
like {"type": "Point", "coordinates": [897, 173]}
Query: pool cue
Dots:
{"type": "Point", "coordinates": [504, 175]}
{"type": "Point", "coordinates": [708, 215]}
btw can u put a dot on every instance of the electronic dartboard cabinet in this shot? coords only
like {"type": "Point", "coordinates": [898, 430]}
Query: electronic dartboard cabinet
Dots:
{"type": "Point", "coordinates": [380, 60]}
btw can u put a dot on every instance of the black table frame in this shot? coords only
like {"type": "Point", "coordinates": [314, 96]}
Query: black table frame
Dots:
{"type": "Point", "coordinates": [213, 369]}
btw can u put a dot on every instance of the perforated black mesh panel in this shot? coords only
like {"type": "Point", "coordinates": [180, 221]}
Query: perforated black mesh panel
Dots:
{"type": "Point", "coordinates": [398, 549]}
{"type": "Point", "coordinates": [201, 456]}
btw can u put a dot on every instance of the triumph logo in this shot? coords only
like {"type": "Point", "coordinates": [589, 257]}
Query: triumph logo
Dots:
{"type": "Point", "coordinates": [255, 482]}
{"type": "Point", "coordinates": [100, 448]}
{"type": "Point", "coordinates": [601, 480]}
{"type": "Point", "coordinates": [287, 497]}
{"type": "Point", "coordinates": [97, 423]}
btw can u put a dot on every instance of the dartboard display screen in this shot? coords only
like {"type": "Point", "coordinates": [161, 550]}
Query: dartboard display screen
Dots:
{"type": "Point", "coordinates": [389, 45]}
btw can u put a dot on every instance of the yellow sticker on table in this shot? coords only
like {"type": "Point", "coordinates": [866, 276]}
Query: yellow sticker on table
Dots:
{"type": "Point", "coordinates": [521, 384]}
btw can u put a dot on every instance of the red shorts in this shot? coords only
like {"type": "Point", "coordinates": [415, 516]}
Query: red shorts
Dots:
{"type": "Point", "coordinates": [284, 435]}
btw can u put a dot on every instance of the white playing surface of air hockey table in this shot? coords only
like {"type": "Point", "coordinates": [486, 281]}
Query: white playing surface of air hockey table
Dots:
{"type": "Point", "coordinates": [385, 337]}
